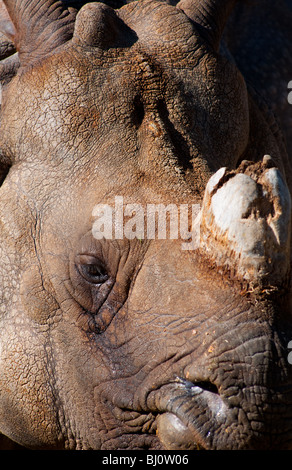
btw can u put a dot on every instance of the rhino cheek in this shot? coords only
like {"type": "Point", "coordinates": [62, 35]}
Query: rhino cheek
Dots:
{"type": "Point", "coordinates": [27, 417]}
{"type": "Point", "coordinates": [37, 302]}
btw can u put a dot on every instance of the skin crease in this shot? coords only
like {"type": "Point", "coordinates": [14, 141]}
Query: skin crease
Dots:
{"type": "Point", "coordinates": [140, 122]}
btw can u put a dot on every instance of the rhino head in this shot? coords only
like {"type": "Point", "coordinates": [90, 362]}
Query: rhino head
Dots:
{"type": "Point", "coordinates": [122, 342]}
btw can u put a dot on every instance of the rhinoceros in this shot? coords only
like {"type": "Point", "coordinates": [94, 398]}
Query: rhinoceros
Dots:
{"type": "Point", "coordinates": [115, 334]}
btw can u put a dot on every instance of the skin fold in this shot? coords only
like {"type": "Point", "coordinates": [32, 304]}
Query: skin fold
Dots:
{"type": "Point", "coordinates": [135, 343]}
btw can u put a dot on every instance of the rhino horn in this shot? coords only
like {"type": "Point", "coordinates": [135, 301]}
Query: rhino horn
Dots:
{"type": "Point", "coordinates": [246, 224]}
{"type": "Point", "coordinates": [210, 15]}
{"type": "Point", "coordinates": [40, 26]}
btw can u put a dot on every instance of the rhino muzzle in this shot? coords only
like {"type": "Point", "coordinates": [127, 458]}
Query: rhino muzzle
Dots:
{"type": "Point", "coordinates": [220, 404]}
{"type": "Point", "coordinates": [196, 417]}
{"type": "Point", "coordinates": [245, 224]}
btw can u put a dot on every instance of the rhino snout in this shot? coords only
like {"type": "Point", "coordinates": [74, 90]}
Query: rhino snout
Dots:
{"type": "Point", "coordinates": [245, 223]}
{"type": "Point", "coordinates": [219, 402]}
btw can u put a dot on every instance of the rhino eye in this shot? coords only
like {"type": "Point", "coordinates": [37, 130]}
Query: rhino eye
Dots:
{"type": "Point", "coordinates": [91, 269]}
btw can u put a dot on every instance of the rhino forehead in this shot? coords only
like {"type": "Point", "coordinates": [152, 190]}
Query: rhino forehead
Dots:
{"type": "Point", "coordinates": [121, 106]}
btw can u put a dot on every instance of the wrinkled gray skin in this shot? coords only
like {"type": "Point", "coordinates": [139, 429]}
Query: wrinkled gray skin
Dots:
{"type": "Point", "coordinates": [137, 344]}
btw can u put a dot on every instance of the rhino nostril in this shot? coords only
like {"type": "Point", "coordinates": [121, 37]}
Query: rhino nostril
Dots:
{"type": "Point", "coordinates": [206, 385]}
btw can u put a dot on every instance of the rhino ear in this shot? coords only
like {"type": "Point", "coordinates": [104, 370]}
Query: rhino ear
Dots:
{"type": "Point", "coordinates": [210, 15]}
{"type": "Point", "coordinates": [37, 27]}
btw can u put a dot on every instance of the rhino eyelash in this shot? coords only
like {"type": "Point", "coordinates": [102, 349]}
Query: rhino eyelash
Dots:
{"type": "Point", "coordinates": [93, 273]}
